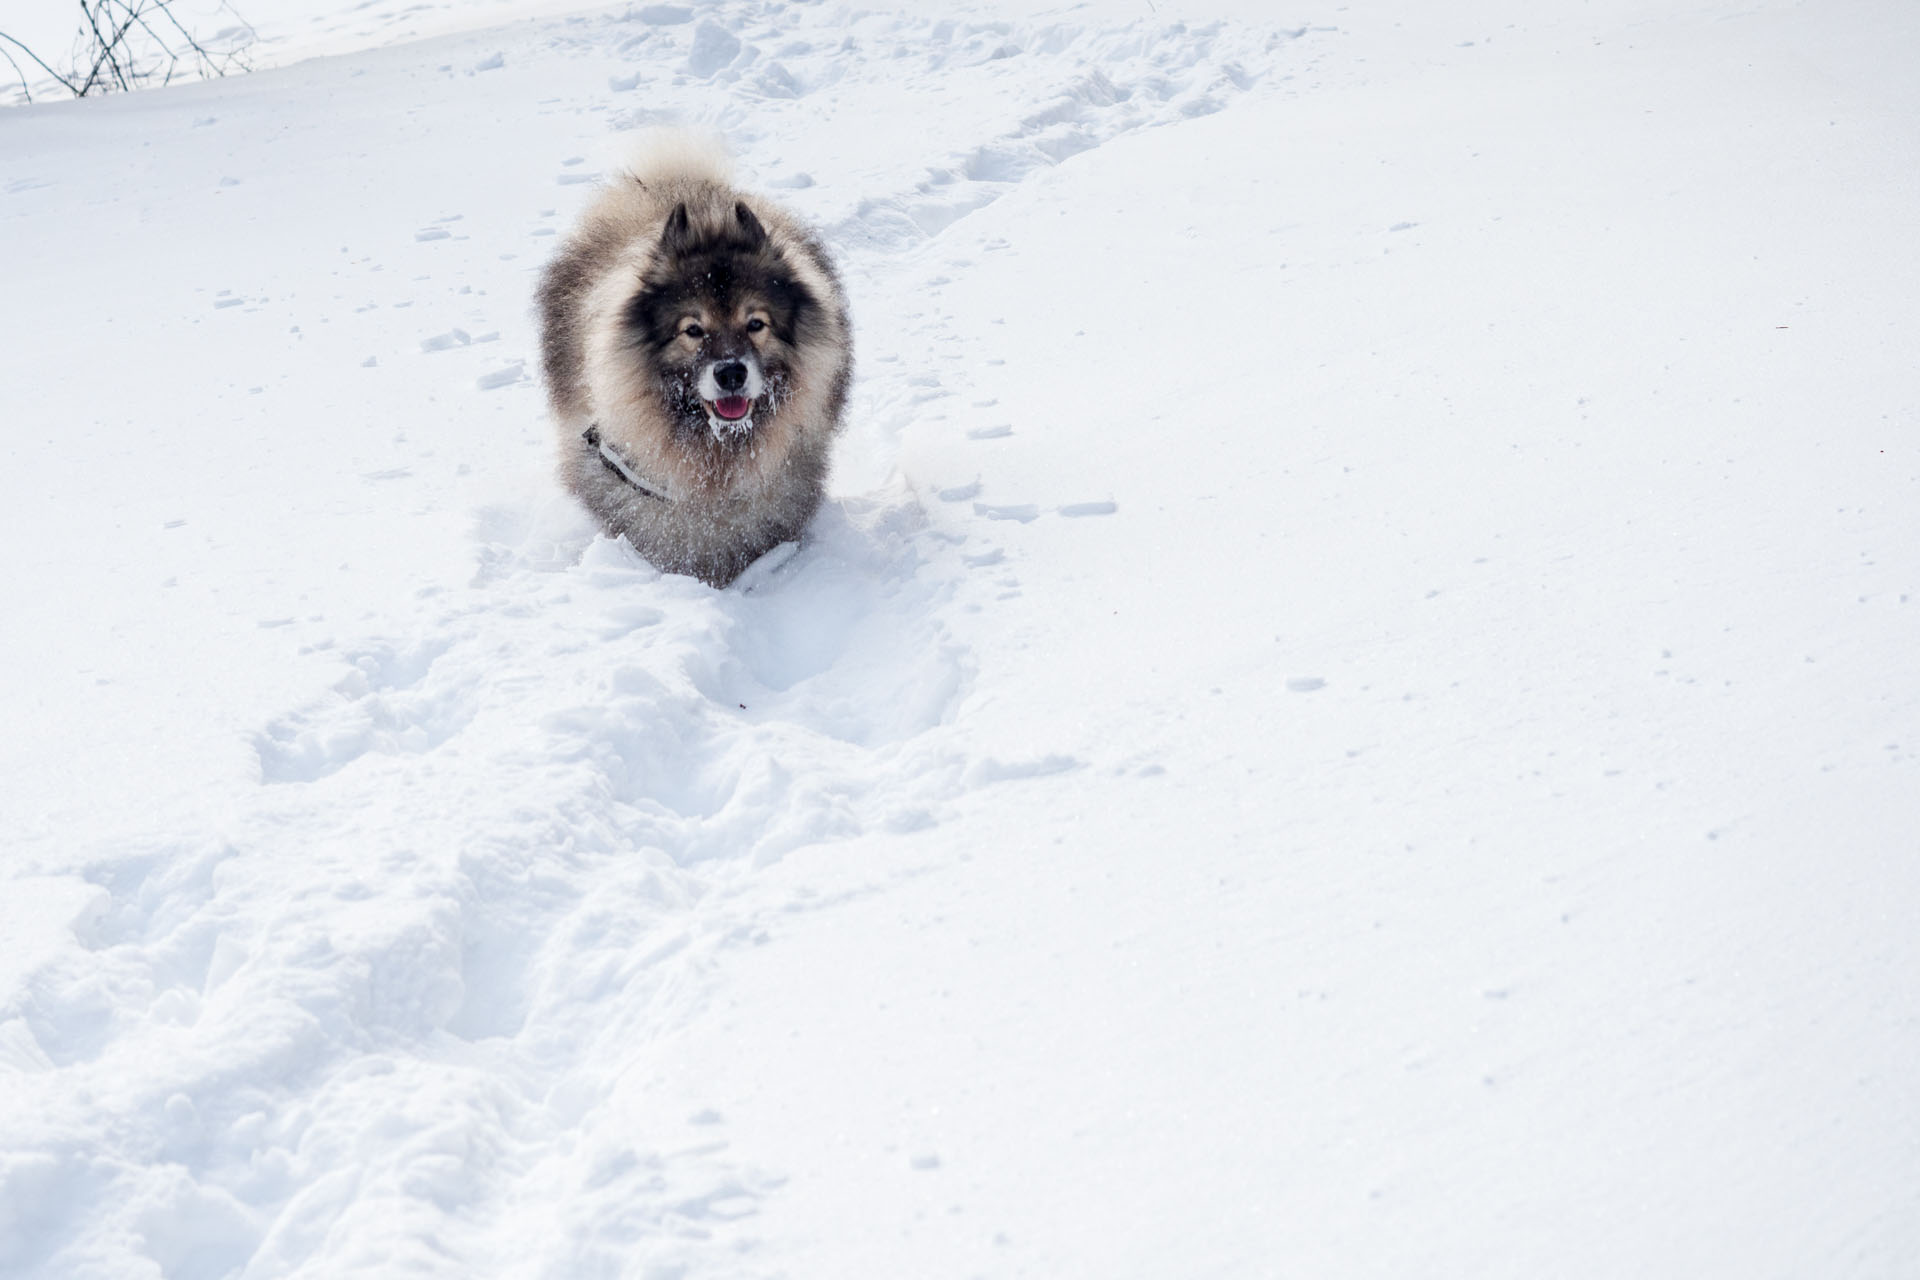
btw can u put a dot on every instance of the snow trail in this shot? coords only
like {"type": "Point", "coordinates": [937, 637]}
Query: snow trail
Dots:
{"type": "Point", "coordinates": [402, 983]}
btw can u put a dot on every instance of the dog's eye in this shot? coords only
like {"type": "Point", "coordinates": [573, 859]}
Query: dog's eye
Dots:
{"type": "Point", "coordinates": [756, 324]}
{"type": "Point", "coordinates": [694, 331]}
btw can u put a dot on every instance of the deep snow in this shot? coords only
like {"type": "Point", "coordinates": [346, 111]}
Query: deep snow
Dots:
{"type": "Point", "coordinates": [1355, 712]}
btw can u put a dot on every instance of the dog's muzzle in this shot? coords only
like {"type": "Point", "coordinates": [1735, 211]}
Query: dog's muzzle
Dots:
{"type": "Point", "coordinates": [728, 389]}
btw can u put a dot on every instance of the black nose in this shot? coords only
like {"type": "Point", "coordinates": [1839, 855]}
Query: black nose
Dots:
{"type": "Point", "coordinates": [730, 374]}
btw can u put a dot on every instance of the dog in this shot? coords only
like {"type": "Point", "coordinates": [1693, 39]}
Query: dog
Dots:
{"type": "Point", "coordinates": [697, 353]}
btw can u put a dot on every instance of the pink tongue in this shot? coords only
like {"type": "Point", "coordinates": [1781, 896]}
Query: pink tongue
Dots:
{"type": "Point", "coordinates": [731, 407]}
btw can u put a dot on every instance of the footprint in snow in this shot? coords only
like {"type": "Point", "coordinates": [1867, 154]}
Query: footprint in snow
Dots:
{"type": "Point", "coordinates": [991, 769]}
{"type": "Point", "coordinates": [500, 378]}
{"type": "Point", "coordinates": [1021, 511]}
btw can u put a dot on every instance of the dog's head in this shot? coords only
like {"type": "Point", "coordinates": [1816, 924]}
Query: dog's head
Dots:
{"type": "Point", "coordinates": [721, 322]}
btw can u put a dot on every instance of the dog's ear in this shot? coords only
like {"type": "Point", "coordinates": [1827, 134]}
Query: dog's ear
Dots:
{"type": "Point", "coordinates": [749, 225]}
{"type": "Point", "coordinates": [678, 232]}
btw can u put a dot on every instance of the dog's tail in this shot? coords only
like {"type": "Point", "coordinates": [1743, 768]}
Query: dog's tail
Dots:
{"type": "Point", "coordinates": [664, 156]}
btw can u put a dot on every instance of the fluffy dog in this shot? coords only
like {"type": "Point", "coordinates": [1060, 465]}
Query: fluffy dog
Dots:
{"type": "Point", "coordinates": [697, 354]}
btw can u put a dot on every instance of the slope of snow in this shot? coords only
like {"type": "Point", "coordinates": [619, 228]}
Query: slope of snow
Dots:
{"type": "Point", "coordinates": [1354, 712]}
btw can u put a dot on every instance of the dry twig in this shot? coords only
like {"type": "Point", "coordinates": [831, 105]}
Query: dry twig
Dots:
{"type": "Point", "coordinates": [126, 44]}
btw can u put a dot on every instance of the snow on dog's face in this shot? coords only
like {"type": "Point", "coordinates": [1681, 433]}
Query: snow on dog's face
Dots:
{"type": "Point", "coordinates": [721, 322]}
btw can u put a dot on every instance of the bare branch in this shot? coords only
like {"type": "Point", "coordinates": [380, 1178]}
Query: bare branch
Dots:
{"type": "Point", "coordinates": [124, 44]}
{"type": "Point", "coordinates": [105, 51]}
{"type": "Point", "coordinates": [64, 81]}
{"type": "Point", "coordinates": [137, 15]}
{"type": "Point", "coordinates": [24, 86]}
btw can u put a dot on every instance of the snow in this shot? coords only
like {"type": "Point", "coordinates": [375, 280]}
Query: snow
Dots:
{"type": "Point", "coordinates": [1353, 712]}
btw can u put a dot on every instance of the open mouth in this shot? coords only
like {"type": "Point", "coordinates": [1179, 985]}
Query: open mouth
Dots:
{"type": "Point", "coordinates": [730, 414]}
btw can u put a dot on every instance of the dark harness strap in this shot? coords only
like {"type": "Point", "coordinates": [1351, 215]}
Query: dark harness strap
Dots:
{"type": "Point", "coordinates": [613, 462]}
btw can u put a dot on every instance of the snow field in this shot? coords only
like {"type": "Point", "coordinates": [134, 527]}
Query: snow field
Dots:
{"type": "Point", "coordinates": [1351, 715]}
